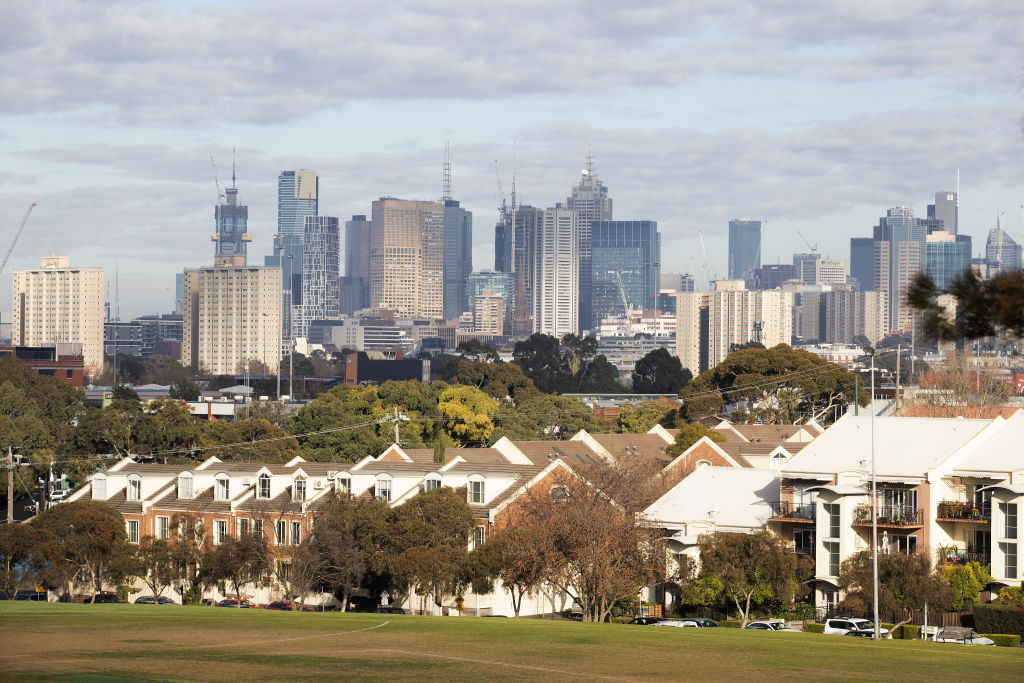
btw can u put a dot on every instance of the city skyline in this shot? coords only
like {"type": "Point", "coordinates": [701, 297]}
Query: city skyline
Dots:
{"type": "Point", "coordinates": [792, 128]}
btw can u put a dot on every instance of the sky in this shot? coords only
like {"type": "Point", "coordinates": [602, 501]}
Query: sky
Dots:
{"type": "Point", "coordinates": [811, 115]}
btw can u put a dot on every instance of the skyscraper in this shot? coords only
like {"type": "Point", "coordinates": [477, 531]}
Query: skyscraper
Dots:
{"type": "Point", "coordinates": [407, 257]}
{"type": "Point", "coordinates": [625, 261]}
{"type": "Point", "coordinates": [320, 256]}
{"type": "Point", "coordinates": [298, 195]}
{"type": "Point", "coordinates": [231, 236]}
{"type": "Point", "coordinates": [946, 209]}
{"type": "Point", "coordinates": [745, 250]}
{"type": "Point", "coordinates": [525, 221]}
{"type": "Point", "coordinates": [946, 255]}
{"type": "Point", "coordinates": [458, 257]}
{"type": "Point", "coordinates": [899, 256]}
{"type": "Point", "coordinates": [1001, 251]}
{"type": "Point", "coordinates": [556, 273]}
{"type": "Point", "coordinates": [862, 262]}
{"type": "Point", "coordinates": [58, 304]}
{"type": "Point", "coordinates": [503, 245]}
{"type": "Point", "coordinates": [355, 285]}
{"type": "Point", "coordinates": [590, 201]}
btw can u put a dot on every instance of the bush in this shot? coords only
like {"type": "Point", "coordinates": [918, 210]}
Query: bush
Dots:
{"type": "Point", "coordinates": [814, 628]}
{"type": "Point", "coordinates": [801, 612]}
{"type": "Point", "coordinates": [1003, 639]}
{"type": "Point", "coordinates": [992, 619]}
{"type": "Point", "coordinates": [621, 620]}
{"type": "Point", "coordinates": [729, 624]}
{"type": "Point", "coordinates": [906, 632]}
{"type": "Point", "coordinates": [1011, 596]}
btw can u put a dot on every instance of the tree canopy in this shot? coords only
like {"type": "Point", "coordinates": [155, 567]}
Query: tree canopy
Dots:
{"type": "Point", "coordinates": [983, 306]}
{"type": "Point", "coordinates": [659, 372]}
{"type": "Point", "coordinates": [569, 366]}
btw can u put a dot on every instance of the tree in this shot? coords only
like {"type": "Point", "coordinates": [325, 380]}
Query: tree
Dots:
{"type": "Point", "coordinates": [502, 381]}
{"type": "Point", "coordinates": [241, 561]}
{"type": "Point", "coordinates": [21, 427]}
{"type": "Point", "coordinates": [188, 548]}
{"type": "Point", "coordinates": [690, 434]}
{"type": "Point", "coordinates": [344, 541]}
{"type": "Point", "coordinates": [155, 564]}
{"type": "Point", "coordinates": [25, 552]}
{"type": "Point", "coordinates": [750, 566]}
{"type": "Point", "coordinates": [960, 381]}
{"type": "Point", "coordinates": [186, 390]}
{"type": "Point", "coordinates": [983, 306]}
{"type": "Point", "coordinates": [303, 569]}
{"type": "Point", "coordinates": [965, 583]}
{"type": "Point", "coordinates": [123, 392]}
{"type": "Point", "coordinates": [433, 570]}
{"type": "Point", "coordinates": [57, 405]}
{"type": "Point", "coordinates": [659, 372]}
{"type": "Point", "coordinates": [559, 417]}
{"type": "Point", "coordinates": [517, 557]}
{"type": "Point", "coordinates": [92, 538]}
{"type": "Point", "coordinates": [905, 582]}
{"type": "Point", "coordinates": [466, 414]}
{"type": "Point", "coordinates": [541, 360]}
{"type": "Point", "coordinates": [341, 425]}
{"type": "Point", "coordinates": [475, 350]}
{"type": "Point", "coordinates": [638, 418]}
{"type": "Point", "coordinates": [248, 440]}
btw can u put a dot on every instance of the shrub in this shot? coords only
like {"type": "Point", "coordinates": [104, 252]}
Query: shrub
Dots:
{"type": "Point", "coordinates": [1004, 639]}
{"type": "Point", "coordinates": [801, 612]}
{"type": "Point", "coordinates": [729, 624]}
{"type": "Point", "coordinates": [814, 628]}
{"type": "Point", "coordinates": [992, 619]}
{"type": "Point", "coordinates": [1011, 596]}
{"type": "Point", "coordinates": [964, 582]}
{"type": "Point", "coordinates": [906, 632]}
{"type": "Point", "coordinates": [621, 620]}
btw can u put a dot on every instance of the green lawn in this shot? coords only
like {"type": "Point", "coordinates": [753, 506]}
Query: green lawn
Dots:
{"type": "Point", "coordinates": [146, 642]}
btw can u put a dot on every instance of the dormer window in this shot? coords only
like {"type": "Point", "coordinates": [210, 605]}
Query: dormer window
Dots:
{"type": "Point", "coordinates": [299, 490]}
{"type": "Point", "coordinates": [223, 487]}
{"type": "Point", "coordinates": [185, 486]}
{"type": "Point", "coordinates": [384, 490]}
{"type": "Point", "coordinates": [345, 485]}
{"type": "Point", "coordinates": [476, 491]}
{"type": "Point", "coordinates": [432, 483]}
{"type": "Point", "coordinates": [134, 491]}
{"type": "Point", "coordinates": [99, 488]}
{"type": "Point", "coordinates": [263, 486]}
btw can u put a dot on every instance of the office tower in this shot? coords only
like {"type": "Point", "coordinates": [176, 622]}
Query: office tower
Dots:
{"type": "Point", "coordinates": [745, 250]}
{"type": "Point", "coordinates": [677, 282]}
{"type": "Point", "coordinates": [556, 273]}
{"type": "Point", "coordinates": [773, 275]}
{"type": "Point", "coordinates": [1002, 252]}
{"type": "Point", "coordinates": [823, 271]}
{"type": "Point", "coordinates": [946, 255]}
{"type": "Point", "coordinates": [489, 313]}
{"type": "Point", "coordinates": [407, 257]}
{"type": "Point", "coordinates": [708, 324]}
{"type": "Point", "coordinates": [298, 194]}
{"type": "Point", "coordinates": [355, 285]}
{"type": "Point", "coordinates": [503, 284]}
{"type": "Point", "coordinates": [458, 257]}
{"type": "Point", "coordinates": [232, 314]}
{"type": "Point", "coordinates": [862, 262]}
{"type": "Point", "coordinates": [179, 291]}
{"type": "Point", "coordinates": [526, 221]}
{"type": "Point", "coordinates": [899, 251]}
{"type": "Point", "coordinates": [625, 263]}
{"type": "Point", "coordinates": [590, 201]}
{"type": "Point", "coordinates": [58, 304]}
{"type": "Point", "coordinates": [946, 209]}
{"type": "Point", "coordinates": [231, 236]}
{"type": "Point", "coordinates": [320, 288]}
{"type": "Point", "coordinates": [503, 246]}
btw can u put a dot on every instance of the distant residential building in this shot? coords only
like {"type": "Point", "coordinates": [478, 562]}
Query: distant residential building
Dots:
{"type": "Point", "coordinates": [489, 313]}
{"type": "Point", "coordinates": [458, 257]}
{"type": "Point", "coordinates": [122, 338]}
{"type": "Point", "coordinates": [745, 251]}
{"type": "Point", "coordinates": [407, 257]}
{"type": "Point", "coordinates": [58, 304]}
{"type": "Point", "coordinates": [503, 284]}
{"type": "Point", "coordinates": [625, 262]}
{"type": "Point", "coordinates": [179, 291]}
{"type": "Point", "coordinates": [160, 335]}
{"type": "Point", "coordinates": [556, 275]}
{"type": "Point", "coordinates": [774, 274]}
{"type": "Point", "coordinates": [946, 255]}
{"type": "Point", "coordinates": [840, 315]}
{"type": "Point", "coordinates": [355, 285]}
{"type": "Point", "coordinates": [321, 293]}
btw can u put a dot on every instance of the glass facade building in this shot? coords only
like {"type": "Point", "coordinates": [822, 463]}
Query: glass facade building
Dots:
{"type": "Point", "coordinates": [946, 255]}
{"type": "Point", "coordinates": [626, 251]}
{"type": "Point", "coordinates": [458, 257]}
{"type": "Point", "coordinates": [745, 251]}
{"type": "Point", "coordinates": [231, 236]}
{"type": "Point", "coordinates": [321, 252]}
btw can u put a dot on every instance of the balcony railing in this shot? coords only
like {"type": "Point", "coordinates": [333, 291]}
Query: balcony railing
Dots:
{"type": "Point", "coordinates": [963, 511]}
{"type": "Point", "coordinates": [954, 555]}
{"type": "Point", "coordinates": [788, 510]}
{"type": "Point", "coordinates": [889, 515]}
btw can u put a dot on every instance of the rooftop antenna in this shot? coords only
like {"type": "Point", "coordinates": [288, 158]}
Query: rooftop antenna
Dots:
{"type": "Point", "coordinates": [515, 267]}
{"type": "Point", "coordinates": [233, 168]}
{"type": "Point", "coordinates": [589, 170]}
{"type": "Point", "coordinates": [446, 186]}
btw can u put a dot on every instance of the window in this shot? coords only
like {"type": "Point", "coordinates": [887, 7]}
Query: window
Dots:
{"type": "Point", "coordinates": [832, 548]}
{"type": "Point", "coordinates": [279, 533]}
{"type": "Point", "coordinates": [832, 510]}
{"type": "Point", "coordinates": [1009, 513]}
{"type": "Point", "coordinates": [223, 488]}
{"type": "Point", "coordinates": [479, 536]}
{"type": "Point", "coordinates": [162, 527]}
{"type": "Point", "coordinates": [263, 486]}
{"type": "Point", "coordinates": [384, 489]}
{"type": "Point", "coordinates": [431, 484]}
{"type": "Point", "coordinates": [803, 541]}
{"type": "Point", "coordinates": [476, 492]}
{"type": "Point", "coordinates": [243, 527]}
{"type": "Point", "coordinates": [257, 527]}
{"type": "Point", "coordinates": [1009, 559]}
{"type": "Point", "coordinates": [345, 485]}
{"type": "Point", "coordinates": [296, 533]}
{"type": "Point", "coordinates": [559, 494]}
{"type": "Point", "coordinates": [99, 489]}
{"type": "Point", "coordinates": [185, 486]}
{"type": "Point", "coordinates": [903, 543]}
{"type": "Point", "coordinates": [220, 530]}
{"type": "Point", "coordinates": [134, 489]}
{"type": "Point", "coordinates": [133, 531]}
{"type": "Point", "coordinates": [299, 490]}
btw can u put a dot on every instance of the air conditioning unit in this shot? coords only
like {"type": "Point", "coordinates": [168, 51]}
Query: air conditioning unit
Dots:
{"type": "Point", "coordinates": [318, 484]}
{"type": "Point", "coordinates": [247, 481]}
{"type": "Point", "coordinates": [332, 474]}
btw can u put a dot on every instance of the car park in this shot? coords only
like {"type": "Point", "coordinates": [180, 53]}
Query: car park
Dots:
{"type": "Point", "coordinates": [149, 600]}
{"type": "Point", "coordinates": [231, 602]}
{"type": "Point", "coordinates": [840, 626]}
{"type": "Point", "coordinates": [964, 636]}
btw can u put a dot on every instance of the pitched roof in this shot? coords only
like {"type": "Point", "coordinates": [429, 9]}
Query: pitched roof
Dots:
{"type": "Point", "coordinates": [729, 497]}
{"type": "Point", "coordinates": [999, 450]}
{"type": "Point", "coordinates": [645, 445]}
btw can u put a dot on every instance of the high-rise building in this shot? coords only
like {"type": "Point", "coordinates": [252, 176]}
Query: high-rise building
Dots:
{"type": "Point", "coordinates": [862, 262]}
{"type": "Point", "coordinates": [946, 209]}
{"type": "Point", "coordinates": [355, 285]}
{"type": "Point", "coordinates": [458, 257]}
{"type": "Point", "coordinates": [298, 196]}
{"type": "Point", "coordinates": [407, 257]}
{"type": "Point", "coordinates": [745, 251]}
{"type": "Point", "coordinates": [590, 201]}
{"type": "Point", "coordinates": [840, 315]}
{"type": "Point", "coordinates": [504, 284]}
{"type": "Point", "coordinates": [946, 255]}
{"type": "Point", "coordinates": [678, 282]}
{"type": "Point", "coordinates": [708, 324]}
{"type": "Point", "coordinates": [1002, 252]}
{"type": "Point", "coordinates": [179, 292]}
{"type": "Point", "coordinates": [773, 275]}
{"type": "Point", "coordinates": [489, 313]}
{"type": "Point", "coordinates": [556, 273]}
{"type": "Point", "coordinates": [58, 304]}
{"type": "Point", "coordinates": [825, 271]}
{"type": "Point", "coordinates": [625, 262]}
{"type": "Point", "coordinates": [526, 221]}
{"type": "Point", "coordinates": [503, 245]}
{"type": "Point", "coordinates": [231, 236]}
{"type": "Point", "coordinates": [321, 294]}
{"type": "Point", "coordinates": [899, 245]}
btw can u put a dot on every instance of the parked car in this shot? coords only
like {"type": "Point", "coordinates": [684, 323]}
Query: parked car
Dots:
{"type": "Point", "coordinates": [389, 610]}
{"type": "Point", "coordinates": [148, 600]}
{"type": "Point", "coordinates": [769, 625]}
{"type": "Point", "coordinates": [701, 622]}
{"type": "Point", "coordinates": [231, 602]}
{"type": "Point", "coordinates": [840, 626]}
{"type": "Point", "coordinates": [962, 636]}
{"type": "Point", "coordinates": [678, 623]}
{"type": "Point", "coordinates": [861, 634]}
{"type": "Point", "coordinates": [105, 599]}
{"type": "Point", "coordinates": [32, 596]}
{"type": "Point", "coordinates": [286, 606]}
{"type": "Point", "coordinates": [645, 621]}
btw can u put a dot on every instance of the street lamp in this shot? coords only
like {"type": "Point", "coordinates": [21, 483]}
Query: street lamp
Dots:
{"type": "Point", "coordinates": [874, 506]}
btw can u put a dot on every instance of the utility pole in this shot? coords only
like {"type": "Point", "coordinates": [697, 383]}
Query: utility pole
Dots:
{"type": "Point", "coordinates": [874, 507]}
{"type": "Point", "coordinates": [899, 354]}
{"type": "Point", "coordinates": [396, 426]}
{"type": "Point", "coordinates": [10, 486]}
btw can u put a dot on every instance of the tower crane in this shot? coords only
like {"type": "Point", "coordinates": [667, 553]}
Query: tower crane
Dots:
{"type": "Point", "coordinates": [17, 234]}
{"type": "Point", "coordinates": [704, 251]}
{"type": "Point", "coordinates": [812, 247]}
{"type": "Point", "coordinates": [220, 195]}
{"type": "Point", "coordinates": [501, 193]}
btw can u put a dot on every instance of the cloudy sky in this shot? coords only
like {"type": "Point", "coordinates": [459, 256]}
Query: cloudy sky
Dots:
{"type": "Point", "coordinates": [813, 115]}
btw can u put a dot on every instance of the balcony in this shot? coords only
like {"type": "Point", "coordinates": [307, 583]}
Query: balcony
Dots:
{"type": "Point", "coordinates": [959, 511]}
{"type": "Point", "coordinates": [953, 555]}
{"type": "Point", "coordinates": [786, 511]}
{"type": "Point", "coordinates": [893, 516]}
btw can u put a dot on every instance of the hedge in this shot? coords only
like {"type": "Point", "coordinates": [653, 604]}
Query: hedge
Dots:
{"type": "Point", "coordinates": [814, 628]}
{"type": "Point", "coordinates": [906, 632]}
{"type": "Point", "coordinates": [730, 624]}
{"type": "Point", "coordinates": [1003, 639]}
{"type": "Point", "coordinates": [992, 619]}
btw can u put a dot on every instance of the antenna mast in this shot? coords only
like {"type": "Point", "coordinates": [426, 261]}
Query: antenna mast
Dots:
{"type": "Point", "coordinates": [233, 168]}
{"type": "Point", "coordinates": [446, 172]}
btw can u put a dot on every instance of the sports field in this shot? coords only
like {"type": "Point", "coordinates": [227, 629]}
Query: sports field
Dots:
{"type": "Point", "coordinates": [146, 642]}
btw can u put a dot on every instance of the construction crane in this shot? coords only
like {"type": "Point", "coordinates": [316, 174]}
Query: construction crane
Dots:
{"type": "Point", "coordinates": [707, 266]}
{"type": "Point", "coordinates": [220, 195]}
{"type": "Point", "coordinates": [501, 193]}
{"type": "Point", "coordinates": [17, 234]}
{"type": "Point", "coordinates": [812, 247]}
{"type": "Point", "coordinates": [626, 310]}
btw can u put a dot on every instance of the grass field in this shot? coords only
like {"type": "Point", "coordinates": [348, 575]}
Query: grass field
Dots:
{"type": "Point", "coordinates": [146, 642]}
